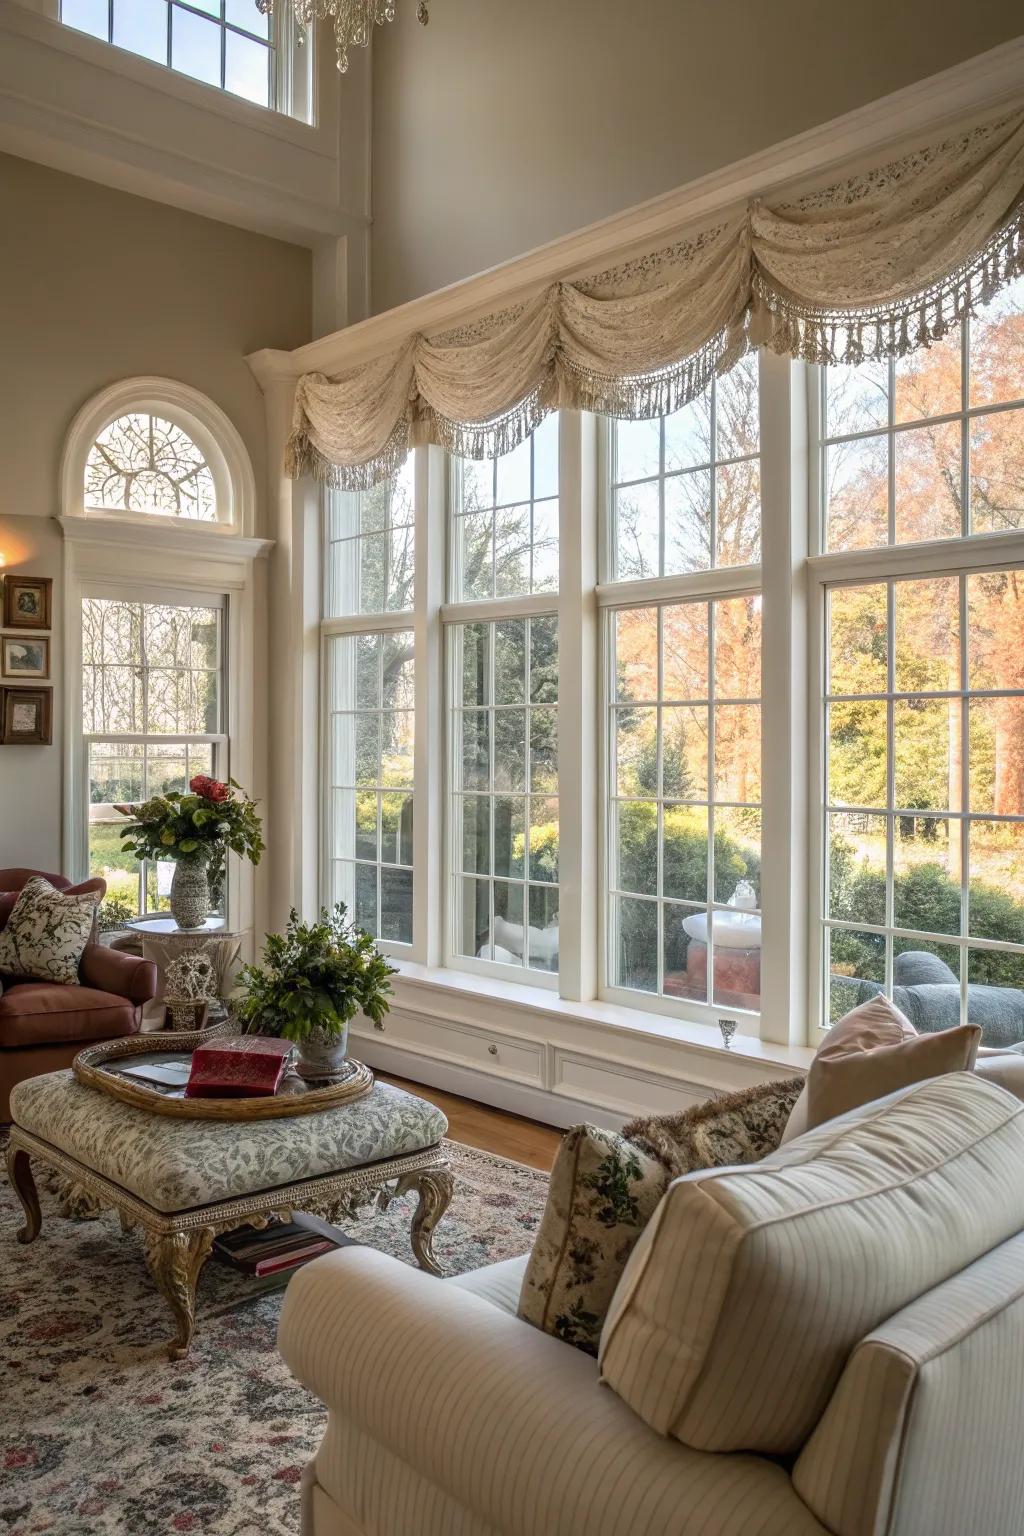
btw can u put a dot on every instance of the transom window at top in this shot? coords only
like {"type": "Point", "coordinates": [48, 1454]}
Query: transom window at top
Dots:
{"type": "Point", "coordinates": [686, 488]}
{"type": "Point", "coordinates": [224, 43]}
{"type": "Point", "coordinates": [144, 463]}
{"type": "Point", "coordinates": [929, 446]}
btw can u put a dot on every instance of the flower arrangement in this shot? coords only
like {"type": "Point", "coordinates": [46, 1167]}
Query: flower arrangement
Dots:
{"type": "Point", "coordinates": [199, 826]}
{"type": "Point", "coordinates": [314, 979]}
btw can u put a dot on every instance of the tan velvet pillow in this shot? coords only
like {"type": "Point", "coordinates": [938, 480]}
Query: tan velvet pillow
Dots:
{"type": "Point", "coordinates": [875, 1050]}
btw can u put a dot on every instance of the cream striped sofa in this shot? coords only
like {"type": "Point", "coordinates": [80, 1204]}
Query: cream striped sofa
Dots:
{"type": "Point", "coordinates": [831, 1340]}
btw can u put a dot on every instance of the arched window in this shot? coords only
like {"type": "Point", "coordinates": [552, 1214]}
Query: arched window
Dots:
{"type": "Point", "coordinates": [154, 448]}
{"type": "Point", "coordinates": [145, 463]}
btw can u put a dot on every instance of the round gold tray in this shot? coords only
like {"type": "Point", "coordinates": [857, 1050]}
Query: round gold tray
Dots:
{"type": "Point", "coordinates": [96, 1067]}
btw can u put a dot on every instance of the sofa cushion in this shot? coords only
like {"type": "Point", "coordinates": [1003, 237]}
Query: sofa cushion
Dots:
{"type": "Point", "coordinates": [499, 1284]}
{"type": "Point", "coordinates": [602, 1194]}
{"type": "Point", "coordinates": [37, 1013]}
{"type": "Point", "coordinates": [47, 932]}
{"type": "Point", "coordinates": [746, 1293]}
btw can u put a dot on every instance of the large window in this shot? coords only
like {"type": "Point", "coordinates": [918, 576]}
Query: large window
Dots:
{"type": "Point", "coordinates": [152, 717]}
{"type": "Point", "coordinates": [504, 769]}
{"type": "Point", "coordinates": [628, 783]}
{"type": "Point", "coordinates": [370, 683]}
{"type": "Point", "coordinates": [923, 727]}
{"type": "Point", "coordinates": [683, 703]}
{"type": "Point", "coordinates": [502, 710]}
{"type": "Point", "coordinates": [369, 706]}
{"type": "Point", "coordinates": [684, 830]}
{"type": "Point", "coordinates": [224, 43]}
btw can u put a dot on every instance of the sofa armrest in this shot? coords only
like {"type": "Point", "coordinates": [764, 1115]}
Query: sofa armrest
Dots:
{"type": "Point", "coordinates": [109, 970]}
{"type": "Point", "coordinates": [510, 1422]}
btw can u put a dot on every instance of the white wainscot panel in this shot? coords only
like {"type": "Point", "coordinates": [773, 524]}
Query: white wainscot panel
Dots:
{"type": "Point", "coordinates": [621, 1089]}
{"type": "Point", "coordinates": [492, 1051]}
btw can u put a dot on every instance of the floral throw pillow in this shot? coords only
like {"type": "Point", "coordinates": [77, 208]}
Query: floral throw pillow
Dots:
{"type": "Point", "coordinates": [726, 1130]}
{"type": "Point", "coordinates": [46, 933]}
{"type": "Point", "coordinates": [603, 1192]}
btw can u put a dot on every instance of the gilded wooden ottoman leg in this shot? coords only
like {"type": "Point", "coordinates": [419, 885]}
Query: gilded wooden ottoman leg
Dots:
{"type": "Point", "coordinates": [19, 1171]}
{"type": "Point", "coordinates": [434, 1187]}
{"type": "Point", "coordinates": [175, 1260]}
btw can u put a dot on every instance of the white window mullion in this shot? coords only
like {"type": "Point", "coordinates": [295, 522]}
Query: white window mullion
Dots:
{"type": "Point", "coordinates": [786, 875]}
{"type": "Point", "coordinates": [431, 500]}
{"type": "Point", "coordinates": [579, 710]}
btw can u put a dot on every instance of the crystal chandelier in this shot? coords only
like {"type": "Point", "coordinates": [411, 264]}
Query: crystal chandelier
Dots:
{"type": "Point", "coordinates": [353, 19]}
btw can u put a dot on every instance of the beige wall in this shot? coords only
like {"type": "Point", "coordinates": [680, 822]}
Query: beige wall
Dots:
{"type": "Point", "coordinates": [98, 285]}
{"type": "Point", "coordinates": [499, 127]}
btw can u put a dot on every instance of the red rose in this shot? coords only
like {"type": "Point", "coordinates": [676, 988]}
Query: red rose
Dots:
{"type": "Point", "coordinates": [210, 789]}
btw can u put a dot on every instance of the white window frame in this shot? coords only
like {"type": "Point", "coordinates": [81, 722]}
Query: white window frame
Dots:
{"type": "Point", "coordinates": [582, 605]}
{"type": "Point", "coordinates": [218, 740]}
{"type": "Point", "coordinates": [969, 554]}
{"type": "Point", "coordinates": [354, 625]}
{"type": "Point", "coordinates": [205, 423]}
{"type": "Point", "coordinates": [718, 582]}
{"type": "Point", "coordinates": [291, 68]}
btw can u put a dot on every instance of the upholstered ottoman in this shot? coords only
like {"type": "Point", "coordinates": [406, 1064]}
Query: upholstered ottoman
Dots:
{"type": "Point", "coordinates": [182, 1182]}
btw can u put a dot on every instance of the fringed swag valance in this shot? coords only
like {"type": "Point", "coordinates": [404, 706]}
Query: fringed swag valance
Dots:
{"type": "Point", "coordinates": [873, 266]}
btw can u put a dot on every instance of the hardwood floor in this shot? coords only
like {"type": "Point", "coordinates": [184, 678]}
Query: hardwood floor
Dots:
{"type": "Point", "coordinates": [493, 1130]}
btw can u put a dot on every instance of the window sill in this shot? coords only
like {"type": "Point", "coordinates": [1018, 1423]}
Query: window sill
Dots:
{"type": "Point", "coordinates": [537, 1003]}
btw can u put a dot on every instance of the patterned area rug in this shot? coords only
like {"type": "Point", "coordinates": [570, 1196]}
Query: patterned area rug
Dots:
{"type": "Point", "coordinates": [103, 1434]}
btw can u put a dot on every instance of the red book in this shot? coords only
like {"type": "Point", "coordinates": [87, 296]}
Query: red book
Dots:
{"type": "Point", "coordinates": [238, 1066]}
{"type": "Point", "coordinates": [291, 1260]}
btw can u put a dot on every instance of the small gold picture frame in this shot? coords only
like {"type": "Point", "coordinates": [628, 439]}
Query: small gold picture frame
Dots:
{"type": "Point", "coordinates": [23, 657]}
{"type": "Point", "coordinates": [27, 601]}
{"type": "Point", "coordinates": [26, 717]}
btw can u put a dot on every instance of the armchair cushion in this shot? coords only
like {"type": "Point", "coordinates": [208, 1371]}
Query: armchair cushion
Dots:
{"type": "Point", "coordinates": [46, 933]}
{"type": "Point", "coordinates": [109, 970]}
{"type": "Point", "coordinates": [34, 1013]}
{"type": "Point", "coordinates": [742, 1300]}
{"type": "Point", "coordinates": [483, 1415]}
{"type": "Point", "coordinates": [939, 1386]}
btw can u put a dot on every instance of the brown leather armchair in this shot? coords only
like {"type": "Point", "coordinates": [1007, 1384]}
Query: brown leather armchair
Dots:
{"type": "Point", "coordinates": [43, 1026]}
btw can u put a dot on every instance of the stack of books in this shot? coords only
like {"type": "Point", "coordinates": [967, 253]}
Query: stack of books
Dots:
{"type": "Point", "coordinates": [285, 1245]}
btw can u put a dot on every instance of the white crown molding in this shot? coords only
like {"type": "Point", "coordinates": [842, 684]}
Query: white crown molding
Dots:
{"type": "Point", "coordinates": [210, 427]}
{"type": "Point", "coordinates": [81, 105]}
{"type": "Point", "coordinates": [888, 123]}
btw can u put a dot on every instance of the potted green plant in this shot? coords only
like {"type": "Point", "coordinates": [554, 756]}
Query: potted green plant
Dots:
{"type": "Point", "coordinates": [314, 979]}
{"type": "Point", "coordinates": [195, 830]}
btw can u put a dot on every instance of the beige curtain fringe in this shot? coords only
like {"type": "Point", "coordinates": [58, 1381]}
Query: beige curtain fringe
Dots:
{"type": "Point", "coordinates": [876, 266]}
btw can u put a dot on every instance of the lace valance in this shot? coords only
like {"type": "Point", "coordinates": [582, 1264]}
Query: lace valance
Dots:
{"type": "Point", "coordinates": [873, 266]}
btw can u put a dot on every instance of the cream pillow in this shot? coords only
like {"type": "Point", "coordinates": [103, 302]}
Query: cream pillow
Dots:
{"type": "Point", "coordinates": [871, 1052]}
{"type": "Point", "coordinates": [47, 932]}
{"type": "Point", "coordinates": [742, 1300]}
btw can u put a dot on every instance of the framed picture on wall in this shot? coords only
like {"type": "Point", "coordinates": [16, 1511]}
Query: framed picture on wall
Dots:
{"type": "Point", "coordinates": [25, 656]}
{"type": "Point", "coordinates": [27, 717]}
{"type": "Point", "coordinates": [27, 601]}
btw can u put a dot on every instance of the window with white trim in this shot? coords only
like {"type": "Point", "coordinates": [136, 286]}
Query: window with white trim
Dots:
{"type": "Point", "coordinates": [153, 716]}
{"type": "Point", "coordinates": [654, 661]}
{"type": "Point", "coordinates": [369, 710]}
{"type": "Point", "coordinates": [227, 44]}
{"type": "Point", "coordinates": [143, 462]}
{"type": "Point", "coordinates": [502, 711]}
{"type": "Point", "coordinates": [923, 723]}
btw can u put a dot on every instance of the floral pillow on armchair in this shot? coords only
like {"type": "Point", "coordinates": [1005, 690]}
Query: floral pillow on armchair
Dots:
{"type": "Point", "coordinates": [47, 932]}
